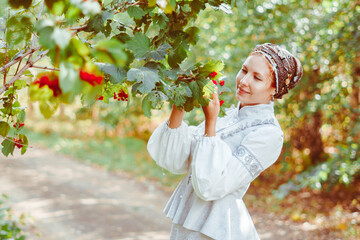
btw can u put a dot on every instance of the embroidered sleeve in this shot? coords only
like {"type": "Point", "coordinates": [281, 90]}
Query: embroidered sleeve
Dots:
{"type": "Point", "coordinates": [218, 170]}
{"type": "Point", "coordinates": [248, 160]}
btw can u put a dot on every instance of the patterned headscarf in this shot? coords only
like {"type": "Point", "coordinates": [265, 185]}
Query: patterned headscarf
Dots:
{"type": "Point", "coordinates": [287, 68]}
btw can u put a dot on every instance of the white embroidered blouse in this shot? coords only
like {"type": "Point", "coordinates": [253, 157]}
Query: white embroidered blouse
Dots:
{"type": "Point", "coordinates": [219, 169]}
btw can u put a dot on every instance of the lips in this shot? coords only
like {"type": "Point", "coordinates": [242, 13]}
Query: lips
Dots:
{"type": "Point", "coordinates": [242, 91]}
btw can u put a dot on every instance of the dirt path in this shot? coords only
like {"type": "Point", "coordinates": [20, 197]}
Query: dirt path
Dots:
{"type": "Point", "coordinates": [72, 200]}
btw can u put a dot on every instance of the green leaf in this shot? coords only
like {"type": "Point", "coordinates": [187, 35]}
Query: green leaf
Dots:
{"type": "Point", "coordinates": [4, 128]}
{"type": "Point", "coordinates": [161, 20]}
{"type": "Point", "coordinates": [19, 3]}
{"type": "Point", "coordinates": [209, 89]}
{"type": "Point", "coordinates": [211, 66]}
{"type": "Point", "coordinates": [158, 54]}
{"type": "Point", "coordinates": [193, 33]}
{"type": "Point", "coordinates": [135, 12]}
{"type": "Point", "coordinates": [22, 115]}
{"type": "Point", "coordinates": [111, 51]}
{"type": "Point", "coordinates": [61, 37]}
{"type": "Point", "coordinates": [48, 108]}
{"type": "Point", "coordinates": [195, 89]}
{"type": "Point", "coordinates": [177, 55]}
{"type": "Point", "coordinates": [139, 45]}
{"type": "Point", "coordinates": [19, 84]}
{"type": "Point", "coordinates": [101, 23]}
{"type": "Point", "coordinates": [19, 30]}
{"type": "Point", "coordinates": [8, 147]}
{"type": "Point", "coordinates": [146, 106]}
{"type": "Point", "coordinates": [25, 143]}
{"type": "Point", "coordinates": [116, 74]}
{"type": "Point", "coordinates": [145, 76]}
{"type": "Point", "coordinates": [80, 47]}
{"type": "Point", "coordinates": [69, 79]}
{"type": "Point", "coordinates": [46, 29]}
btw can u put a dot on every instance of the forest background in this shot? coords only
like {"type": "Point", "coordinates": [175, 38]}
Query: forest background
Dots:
{"type": "Point", "coordinates": [315, 179]}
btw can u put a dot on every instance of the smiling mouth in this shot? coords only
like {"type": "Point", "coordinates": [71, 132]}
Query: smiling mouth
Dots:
{"type": "Point", "coordinates": [240, 90]}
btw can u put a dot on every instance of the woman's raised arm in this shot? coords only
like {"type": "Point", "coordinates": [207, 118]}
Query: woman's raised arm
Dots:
{"type": "Point", "coordinates": [169, 144]}
{"type": "Point", "coordinates": [176, 117]}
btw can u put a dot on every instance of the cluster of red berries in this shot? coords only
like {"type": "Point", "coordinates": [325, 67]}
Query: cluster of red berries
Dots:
{"type": "Point", "coordinates": [121, 96]}
{"type": "Point", "coordinates": [51, 81]}
{"type": "Point", "coordinates": [222, 82]}
{"type": "Point", "coordinates": [18, 142]}
{"type": "Point", "coordinates": [20, 125]}
{"type": "Point", "coordinates": [91, 78]}
{"type": "Point", "coordinates": [212, 75]}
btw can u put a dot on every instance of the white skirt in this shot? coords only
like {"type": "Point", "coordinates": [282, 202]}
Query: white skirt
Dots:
{"type": "Point", "coordinates": [178, 232]}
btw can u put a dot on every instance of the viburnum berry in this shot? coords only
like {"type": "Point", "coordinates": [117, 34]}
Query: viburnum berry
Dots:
{"type": "Point", "coordinates": [51, 81]}
{"type": "Point", "coordinates": [100, 98]}
{"type": "Point", "coordinates": [91, 78]}
{"type": "Point", "coordinates": [20, 125]}
{"type": "Point", "coordinates": [213, 74]}
{"type": "Point", "coordinates": [215, 82]}
{"type": "Point", "coordinates": [121, 96]}
{"type": "Point", "coordinates": [222, 82]}
{"type": "Point", "coordinates": [221, 102]}
{"type": "Point", "coordinates": [18, 143]}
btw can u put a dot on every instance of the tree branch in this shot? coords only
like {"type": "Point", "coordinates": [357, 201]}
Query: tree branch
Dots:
{"type": "Point", "coordinates": [46, 68]}
{"type": "Point", "coordinates": [21, 72]}
{"type": "Point", "coordinates": [6, 66]}
{"type": "Point", "coordinates": [78, 29]}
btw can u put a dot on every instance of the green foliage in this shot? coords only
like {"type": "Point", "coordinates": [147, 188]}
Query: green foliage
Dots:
{"type": "Point", "coordinates": [100, 47]}
{"type": "Point", "coordinates": [9, 227]}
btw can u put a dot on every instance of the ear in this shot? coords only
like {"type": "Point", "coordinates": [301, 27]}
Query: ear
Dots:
{"type": "Point", "coordinates": [273, 91]}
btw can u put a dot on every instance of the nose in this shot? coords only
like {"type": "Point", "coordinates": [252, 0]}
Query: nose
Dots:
{"type": "Point", "coordinates": [245, 80]}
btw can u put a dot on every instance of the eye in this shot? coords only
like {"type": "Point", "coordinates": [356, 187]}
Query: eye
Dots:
{"type": "Point", "coordinates": [258, 79]}
{"type": "Point", "coordinates": [243, 70]}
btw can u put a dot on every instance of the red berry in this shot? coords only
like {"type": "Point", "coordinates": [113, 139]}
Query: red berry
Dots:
{"type": "Point", "coordinates": [91, 78]}
{"type": "Point", "coordinates": [222, 82]}
{"type": "Point", "coordinates": [53, 84]}
{"type": "Point", "coordinates": [213, 74]}
{"type": "Point", "coordinates": [221, 102]}
{"type": "Point", "coordinates": [18, 143]}
{"type": "Point", "coordinates": [215, 82]}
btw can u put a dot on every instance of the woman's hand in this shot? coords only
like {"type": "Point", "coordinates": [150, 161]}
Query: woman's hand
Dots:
{"type": "Point", "coordinates": [212, 110]}
{"type": "Point", "coordinates": [211, 113]}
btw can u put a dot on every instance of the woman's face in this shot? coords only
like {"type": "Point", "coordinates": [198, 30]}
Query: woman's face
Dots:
{"type": "Point", "coordinates": [253, 82]}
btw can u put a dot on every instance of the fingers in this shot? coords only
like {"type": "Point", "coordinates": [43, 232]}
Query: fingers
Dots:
{"type": "Point", "coordinates": [215, 95]}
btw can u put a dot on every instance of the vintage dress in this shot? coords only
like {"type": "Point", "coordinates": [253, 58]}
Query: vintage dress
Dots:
{"type": "Point", "coordinates": [219, 169]}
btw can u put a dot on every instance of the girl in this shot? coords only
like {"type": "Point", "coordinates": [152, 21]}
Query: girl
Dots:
{"type": "Point", "coordinates": [222, 156]}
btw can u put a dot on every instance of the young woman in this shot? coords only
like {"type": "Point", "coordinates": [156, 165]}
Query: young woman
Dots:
{"type": "Point", "coordinates": [222, 156]}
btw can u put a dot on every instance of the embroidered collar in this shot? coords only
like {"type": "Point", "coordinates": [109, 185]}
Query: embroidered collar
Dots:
{"type": "Point", "coordinates": [254, 110]}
